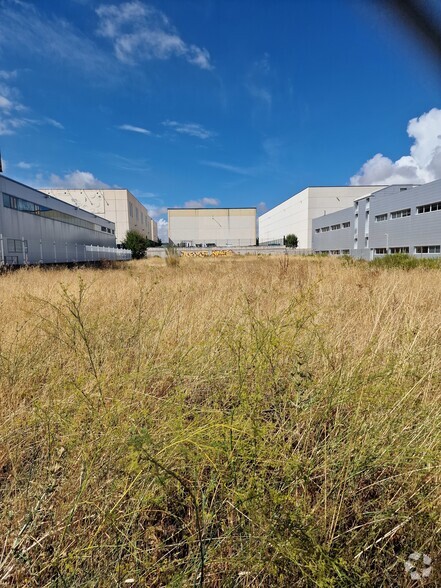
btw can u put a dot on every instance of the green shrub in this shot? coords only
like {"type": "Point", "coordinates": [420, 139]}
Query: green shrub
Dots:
{"type": "Point", "coordinates": [405, 261]}
{"type": "Point", "coordinates": [136, 243]}
{"type": "Point", "coordinates": [291, 241]}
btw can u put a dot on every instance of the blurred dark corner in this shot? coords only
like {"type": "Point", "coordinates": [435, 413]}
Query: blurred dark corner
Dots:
{"type": "Point", "coordinates": [420, 17]}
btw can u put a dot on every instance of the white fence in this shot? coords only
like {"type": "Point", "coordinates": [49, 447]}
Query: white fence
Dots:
{"type": "Point", "coordinates": [108, 253]}
{"type": "Point", "coordinates": [38, 251]}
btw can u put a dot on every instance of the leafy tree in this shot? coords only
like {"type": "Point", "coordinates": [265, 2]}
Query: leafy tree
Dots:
{"type": "Point", "coordinates": [136, 243]}
{"type": "Point", "coordinates": [291, 241]}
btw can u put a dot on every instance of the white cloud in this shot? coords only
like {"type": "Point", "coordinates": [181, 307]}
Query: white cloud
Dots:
{"type": "Point", "coordinates": [258, 82]}
{"type": "Point", "coordinates": [202, 203]}
{"type": "Point", "coordinates": [9, 126]}
{"type": "Point", "coordinates": [156, 211]}
{"type": "Point", "coordinates": [53, 123]}
{"type": "Point", "coordinates": [134, 129]}
{"type": "Point", "coordinates": [25, 165]}
{"type": "Point", "coordinates": [235, 169]}
{"type": "Point", "coordinates": [75, 180]}
{"type": "Point", "coordinates": [12, 110]}
{"type": "Point", "coordinates": [7, 75]}
{"type": "Point", "coordinates": [423, 164]}
{"type": "Point", "coordinates": [261, 207]}
{"type": "Point", "coordinates": [141, 32]}
{"type": "Point", "coordinates": [163, 230]}
{"type": "Point", "coordinates": [5, 103]}
{"type": "Point", "coordinates": [27, 31]}
{"type": "Point", "coordinates": [9, 99]}
{"type": "Point", "coordinates": [192, 129]}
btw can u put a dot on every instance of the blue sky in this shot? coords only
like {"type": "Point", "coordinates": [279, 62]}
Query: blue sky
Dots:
{"type": "Point", "coordinates": [214, 102]}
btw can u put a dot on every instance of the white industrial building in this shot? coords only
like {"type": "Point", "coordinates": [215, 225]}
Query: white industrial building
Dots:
{"type": "Point", "coordinates": [403, 218]}
{"type": "Point", "coordinates": [209, 227]}
{"type": "Point", "coordinates": [118, 206]}
{"type": "Point", "coordinates": [37, 228]}
{"type": "Point", "coordinates": [295, 215]}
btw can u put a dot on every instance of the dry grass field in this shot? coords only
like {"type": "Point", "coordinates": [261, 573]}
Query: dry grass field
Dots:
{"type": "Point", "coordinates": [234, 422]}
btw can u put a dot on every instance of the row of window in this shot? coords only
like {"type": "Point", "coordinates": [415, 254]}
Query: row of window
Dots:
{"type": "Point", "coordinates": [417, 249]}
{"type": "Point", "coordinates": [344, 225]}
{"type": "Point", "coordinates": [429, 207]}
{"type": "Point", "coordinates": [395, 214]}
{"type": "Point", "coordinates": [38, 209]}
{"type": "Point", "coordinates": [433, 207]}
{"type": "Point", "coordinates": [335, 252]}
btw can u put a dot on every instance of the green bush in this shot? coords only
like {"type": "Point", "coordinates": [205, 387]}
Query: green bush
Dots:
{"type": "Point", "coordinates": [136, 243]}
{"type": "Point", "coordinates": [405, 261]}
{"type": "Point", "coordinates": [291, 241]}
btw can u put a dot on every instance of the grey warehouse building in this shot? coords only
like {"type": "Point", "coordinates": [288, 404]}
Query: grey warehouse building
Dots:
{"type": "Point", "coordinates": [397, 219]}
{"type": "Point", "coordinates": [37, 228]}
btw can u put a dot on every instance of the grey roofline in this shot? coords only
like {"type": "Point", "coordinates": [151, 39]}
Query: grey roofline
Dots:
{"type": "Point", "coordinates": [215, 208]}
{"type": "Point", "coordinates": [97, 189]}
{"type": "Point", "coordinates": [58, 199]}
{"type": "Point", "coordinates": [383, 188]}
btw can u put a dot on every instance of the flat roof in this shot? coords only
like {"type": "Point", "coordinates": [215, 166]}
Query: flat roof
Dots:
{"type": "Point", "coordinates": [45, 195]}
{"type": "Point", "coordinates": [216, 208]}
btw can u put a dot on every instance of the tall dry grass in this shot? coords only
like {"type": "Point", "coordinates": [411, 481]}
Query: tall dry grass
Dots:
{"type": "Point", "coordinates": [227, 422]}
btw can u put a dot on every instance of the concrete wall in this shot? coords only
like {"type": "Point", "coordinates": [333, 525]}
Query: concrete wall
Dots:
{"type": "Point", "coordinates": [226, 252]}
{"type": "Point", "coordinates": [118, 206]}
{"type": "Point", "coordinates": [43, 238]}
{"type": "Point", "coordinates": [295, 215]}
{"type": "Point", "coordinates": [220, 226]}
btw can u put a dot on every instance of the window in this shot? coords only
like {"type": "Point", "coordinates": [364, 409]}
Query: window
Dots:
{"type": "Point", "coordinates": [335, 252]}
{"type": "Point", "coordinates": [380, 251]}
{"type": "Point", "coordinates": [399, 249]}
{"type": "Point", "coordinates": [403, 189]}
{"type": "Point", "coordinates": [428, 249]}
{"type": "Point", "coordinates": [335, 227]}
{"type": "Point", "coordinates": [325, 229]}
{"type": "Point", "coordinates": [345, 251]}
{"type": "Point", "coordinates": [381, 217]}
{"type": "Point", "coordinates": [103, 229]}
{"type": "Point", "coordinates": [346, 225]}
{"type": "Point", "coordinates": [16, 246]}
{"type": "Point", "coordinates": [429, 207]}
{"type": "Point", "coordinates": [317, 230]}
{"type": "Point", "coordinates": [137, 214]}
{"type": "Point", "coordinates": [400, 213]}
{"type": "Point", "coordinates": [22, 205]}
{"type": "Point", "coordinates": [131, 209]}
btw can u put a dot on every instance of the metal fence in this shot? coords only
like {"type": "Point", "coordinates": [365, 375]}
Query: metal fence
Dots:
{"type": "Point", "coordinates": [43, 251]}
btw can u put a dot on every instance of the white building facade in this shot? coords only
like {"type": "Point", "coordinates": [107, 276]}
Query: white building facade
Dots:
{"type": "Point", "coordinates": [205, 227]}
{"type": "Point", "coordinates": [398, 219]}
{"type": "Point", "coordinates": [118, 206]}
{"type": "Point", "coordinates": [37, 228]}
{"type": "Point", "coordinates": [295, 215]}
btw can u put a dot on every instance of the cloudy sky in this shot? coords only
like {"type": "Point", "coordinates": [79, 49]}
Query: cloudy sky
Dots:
{"type": "Point", "coordinates": [214, 102]}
